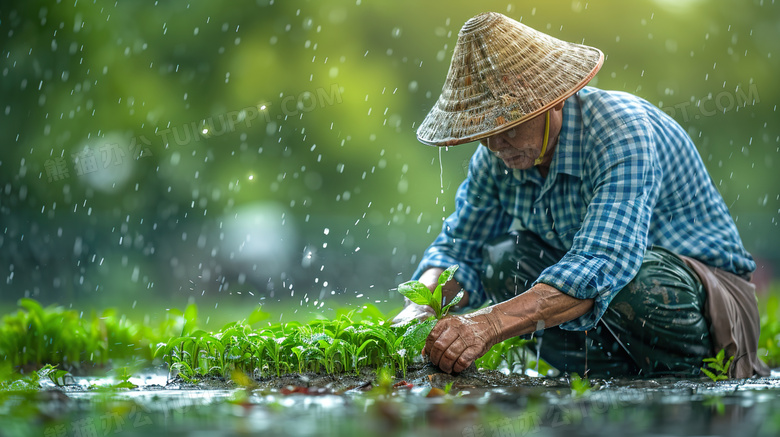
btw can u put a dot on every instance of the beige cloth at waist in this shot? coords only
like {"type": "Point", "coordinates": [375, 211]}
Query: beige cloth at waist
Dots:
{"type": "Point", "coordinates": [732, 313]}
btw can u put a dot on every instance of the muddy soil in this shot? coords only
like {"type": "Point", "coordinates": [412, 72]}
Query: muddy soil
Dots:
{"type": "Point", "coordinates": [417, 375]}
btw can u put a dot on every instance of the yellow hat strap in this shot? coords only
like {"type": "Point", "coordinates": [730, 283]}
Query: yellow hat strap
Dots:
{"type": "Point", "coordinates": [546, 137]}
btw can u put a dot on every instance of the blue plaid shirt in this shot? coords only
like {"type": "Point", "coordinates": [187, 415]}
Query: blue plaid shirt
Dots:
{"type": "Point", "coordinates": [625, 176]}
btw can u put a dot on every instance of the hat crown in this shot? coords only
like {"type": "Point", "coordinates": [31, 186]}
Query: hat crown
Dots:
{"type": "Point", "coordinates": [479, 21]}
{"type": "Point", "coordinates": [503, 73]}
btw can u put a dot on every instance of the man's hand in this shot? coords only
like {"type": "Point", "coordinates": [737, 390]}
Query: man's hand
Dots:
{"type": "Point", "coordinates": [411, 312]}
{"type": "Point", "coordinates": [457, 341]}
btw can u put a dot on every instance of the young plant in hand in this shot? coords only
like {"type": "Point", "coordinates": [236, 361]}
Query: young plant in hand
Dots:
{"type": "Point", "coordinates": [420, 294]}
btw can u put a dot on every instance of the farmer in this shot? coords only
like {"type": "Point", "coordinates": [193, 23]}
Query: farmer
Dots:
{"type": "Point", "coordinates": [587, 217]}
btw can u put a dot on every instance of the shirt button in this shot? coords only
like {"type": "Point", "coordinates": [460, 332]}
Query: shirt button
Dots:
{"type": "Point", "coordinates": [550, 235]}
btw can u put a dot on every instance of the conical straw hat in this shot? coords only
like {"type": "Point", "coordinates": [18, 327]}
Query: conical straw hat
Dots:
{"type": "Point", "coordinates": [502, 74]}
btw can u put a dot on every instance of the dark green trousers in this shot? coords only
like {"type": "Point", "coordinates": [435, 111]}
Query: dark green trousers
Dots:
{"type": "Point", "coordinates": [654, 326]}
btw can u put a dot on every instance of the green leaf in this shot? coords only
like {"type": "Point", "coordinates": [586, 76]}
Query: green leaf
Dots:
{"type": "Point", "coordinates": [454, 302]}
{"type": "Point", "coordinates": [190, 318]}
{"type": "Point", "coordinates": [710, 374]}
{"type": "Point", "coordinates": [364, 345]}
{"type": "Point", "coordinates": [720, 368]}
{"type": "Point", "coordinates": [415, 336]}
{"type": "Point", "coordinates": [370, 312]}
{"type": "Point", "coordinates": [191, 313]}
{"type": "Point", "coordinates": [57, 377]}
{"type": "Point", "coordinates": [579, 386]}
{"type": "Point", "coordinates": [728, 364]}
{"type": "Point", "coordinates": [447, 274]}
{"type": "Point", "coordinates": [31, 305]}
{"type": "Point", "coordinates": [125, 384]}
{"type": "Point", "coordinates": [257, 315]}
{"type": "Point", "coordinates": [436, 301]}
{"type": "Point", "coordinates": [416, 291]}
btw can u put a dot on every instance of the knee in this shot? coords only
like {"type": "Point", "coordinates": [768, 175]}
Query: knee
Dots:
{"type": "Point", "coordinates": [664, 272]}
{"type": "Point", "coordinates": [663, 283]}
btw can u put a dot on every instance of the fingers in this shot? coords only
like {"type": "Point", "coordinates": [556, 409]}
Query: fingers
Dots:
{"type": "Point", "coordinates": [450, 356]}
{"type": "Point", "coordinates": [453, 346]}
{"type": "Point", "coordinates": [411, 312]}
{"type": "Point", "coordinates": [444, 347]}
{"type": "Point", "coordinates": [447, 349]}
{"type": "Point", "coordinates": [465, 359]}
{"type": "Point", "coordinates": [436, 332]}
{"type": "Point", "coordinates": [457, 357]}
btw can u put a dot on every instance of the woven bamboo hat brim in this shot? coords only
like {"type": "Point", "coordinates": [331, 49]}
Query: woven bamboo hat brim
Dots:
{"type": "Point", "coordinates": [502, 74]}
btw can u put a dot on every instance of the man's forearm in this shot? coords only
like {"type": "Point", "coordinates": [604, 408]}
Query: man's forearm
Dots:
{"type": "Point", "coordinates": [455, 342]}
{"type": "Point", "coordinates": [540, 307]}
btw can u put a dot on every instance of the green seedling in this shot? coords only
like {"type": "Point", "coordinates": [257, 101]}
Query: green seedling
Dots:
{"type": "Point", "coordinates": [322, 345]}
{"type": "Point", "coordinates": [35, 336]}
{"type": "Point", "coordinates": [56, 376]}
{"type": "Point", "coordinates": [505, 354]}
{"type": "Point", "coordinates": [579, 386]}
{"type": "Point", "coordinates": [12, 381]}
{"type": "Point", "coordinates": [355, 339]}
{"type": "Point", "coordinates": [418, 293]}
{"type": "Point", "coordinates": [718, 366]}
{"type": "Point", "coordinates": [123, 375]}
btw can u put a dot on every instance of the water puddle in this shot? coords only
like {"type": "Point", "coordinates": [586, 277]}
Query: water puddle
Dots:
{"type": "Point", "coordinates": [474, 406]}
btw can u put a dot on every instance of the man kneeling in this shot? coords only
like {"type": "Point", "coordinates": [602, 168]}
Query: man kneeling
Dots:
{"type": "Point", "coordinates": [586, 216]}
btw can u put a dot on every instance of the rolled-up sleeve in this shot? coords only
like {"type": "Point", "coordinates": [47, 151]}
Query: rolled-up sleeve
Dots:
{"type": "Point", "coordinates": [624, 177]}
{"type": "Point", "coordinates": [478, 217]}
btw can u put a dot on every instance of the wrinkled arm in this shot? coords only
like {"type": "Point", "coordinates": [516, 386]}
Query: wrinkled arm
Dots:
{"type": "Point", "coordinates": [540, 307]}
{"type": "Point", "coordinates": [456, 342]}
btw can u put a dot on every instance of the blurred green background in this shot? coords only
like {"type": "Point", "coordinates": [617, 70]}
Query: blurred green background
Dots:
{"type": "Point", "coordinates": [251, 151]}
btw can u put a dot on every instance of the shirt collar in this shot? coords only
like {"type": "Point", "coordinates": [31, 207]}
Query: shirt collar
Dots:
{"type": "Point", "coordinates": [568, 152]}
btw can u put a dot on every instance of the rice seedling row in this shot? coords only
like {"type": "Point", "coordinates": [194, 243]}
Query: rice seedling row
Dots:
{"type": "Point", "coordinates": [36, 336]}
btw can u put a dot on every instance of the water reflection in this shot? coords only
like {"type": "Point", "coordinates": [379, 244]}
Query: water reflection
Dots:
{"type": "Point", "coordinates": [609, 408]}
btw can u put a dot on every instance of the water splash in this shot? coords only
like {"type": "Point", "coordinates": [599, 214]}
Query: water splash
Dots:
{"type": "Point", "coordinates": [538, 350]}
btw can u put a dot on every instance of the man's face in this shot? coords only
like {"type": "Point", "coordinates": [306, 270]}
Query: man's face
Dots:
{"type": "Point", "coordinates": [519, 146]}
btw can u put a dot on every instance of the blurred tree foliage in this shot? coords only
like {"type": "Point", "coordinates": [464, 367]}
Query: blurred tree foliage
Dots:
{"type": "Point", "coordinates": [166, 148]}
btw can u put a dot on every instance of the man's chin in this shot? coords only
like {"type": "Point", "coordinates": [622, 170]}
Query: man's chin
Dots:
{"type": "Point", "coordinates": [518, 163]}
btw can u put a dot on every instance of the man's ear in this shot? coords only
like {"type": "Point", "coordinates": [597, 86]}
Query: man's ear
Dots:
{"type": "Point", "coordinates": [559, 106]}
